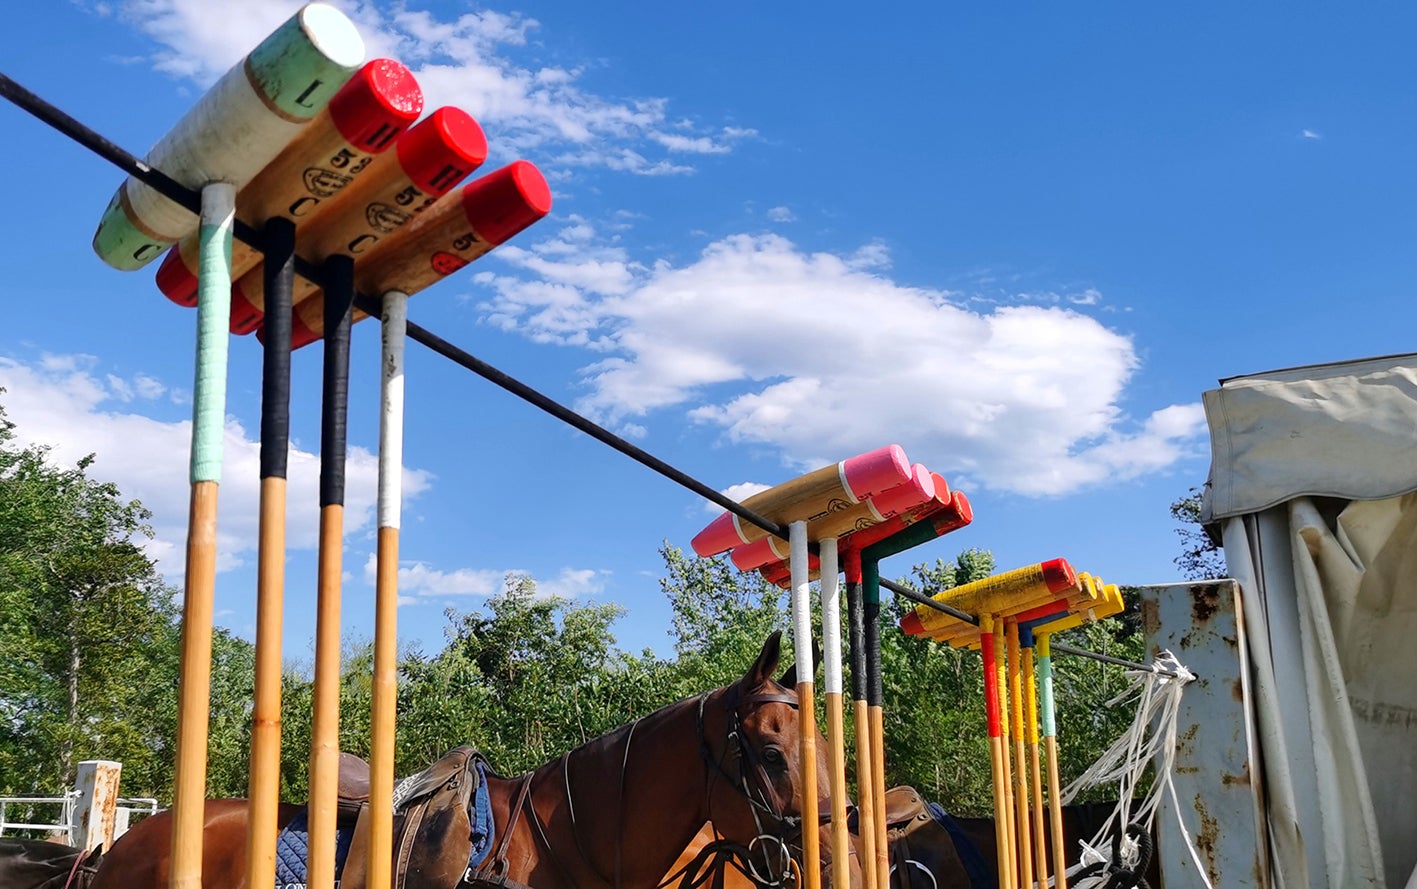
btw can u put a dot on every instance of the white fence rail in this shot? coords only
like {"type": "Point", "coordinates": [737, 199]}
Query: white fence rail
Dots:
{"type": "Point", "coordinates": [89, 815]}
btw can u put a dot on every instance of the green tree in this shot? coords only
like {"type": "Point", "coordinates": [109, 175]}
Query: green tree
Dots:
{"type": "Point", "coordinates": [89, 637]}
{"type": "Point", "coordinates": [720, 618]}
{"type": "Point", "coordinates": [78, 599]}
{"type": "Point", "coordinates": [1201, 557]}
{"type": "Point", "coordinates": [538, 675]}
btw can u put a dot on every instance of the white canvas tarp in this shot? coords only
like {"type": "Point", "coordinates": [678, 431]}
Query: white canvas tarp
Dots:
{"type": "Point", "coordinates": [1338, 430]}
{"type": "Point", "coordinates": [1311, 479]}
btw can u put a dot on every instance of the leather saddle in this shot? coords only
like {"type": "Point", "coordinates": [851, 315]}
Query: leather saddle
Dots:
{"type": "Point", "coordinates": [432, 826]}
{"type": "Point", "coordinates": [904, 807]}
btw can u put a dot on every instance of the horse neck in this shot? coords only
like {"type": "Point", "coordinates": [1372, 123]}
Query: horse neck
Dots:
{"type": "Point", "coordinates": [663, 778]}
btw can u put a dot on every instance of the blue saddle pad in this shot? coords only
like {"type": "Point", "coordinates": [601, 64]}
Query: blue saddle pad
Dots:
{"type": "Point", "coordinates": [484, 828]}
{"type": "Point", "coordinates": [969, 854]}
{"type": "Point", "coordinates": [293, 847]}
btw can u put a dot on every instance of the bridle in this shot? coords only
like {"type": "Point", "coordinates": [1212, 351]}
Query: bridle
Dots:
{"type": "Point", "coordinates": [753, 783]}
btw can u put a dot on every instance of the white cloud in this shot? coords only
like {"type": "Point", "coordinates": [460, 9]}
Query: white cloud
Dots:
{"type": "Point", "coordinates": [1310, 134]}
{"type": "Point", "coordinates": [573, 583]}
{"type": "Point", "coordinates": [819, 356]}
{"type": "Point", "coordinates": [421, 580]}
{"type": "Point", "coordinates": [485, 62]}
{"type": "Point", "coordinates": [67, 404]}
{"type": "Point", "coordinates": [781, 214]}
{"type": "Point", "coordinates": [737, 493]}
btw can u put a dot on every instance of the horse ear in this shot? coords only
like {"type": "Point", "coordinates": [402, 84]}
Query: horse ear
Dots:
{"type": "Point", "coordinates": [766, 664]}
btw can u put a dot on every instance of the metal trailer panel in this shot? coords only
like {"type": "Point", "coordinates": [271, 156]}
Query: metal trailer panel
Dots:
{"type": "Point", "coordinates": [1217, 768]}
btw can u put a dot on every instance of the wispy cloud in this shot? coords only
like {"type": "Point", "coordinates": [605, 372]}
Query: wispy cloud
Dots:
{"type": "Point", "coordinates": [738, 493]}
{"type": "Point", "coordinates": [748, 339]}
{"type": "Point", "coordinates": [486, 62]}
{"type": "Point", "coordinates": [69, 404]}
{"type": "Point", "coordinates": [419, 580]}
{"type": "Point", "coordinates": [781, 214]}
{"type": "Point", "coordinates": [1310, 134]}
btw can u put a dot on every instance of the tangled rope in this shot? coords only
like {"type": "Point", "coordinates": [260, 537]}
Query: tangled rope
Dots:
{"type": "Point", "coordinates": [1151, 738]}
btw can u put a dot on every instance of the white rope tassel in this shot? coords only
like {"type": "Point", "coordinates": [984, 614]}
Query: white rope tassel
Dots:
{"type": "Point", "coordinates": [1151, 738]}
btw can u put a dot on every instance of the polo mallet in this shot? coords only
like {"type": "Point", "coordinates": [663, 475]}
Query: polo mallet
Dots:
{"type": "Point", "coordinates": [234, 130]}
{"type": "Point", "coordinates": [994, 721]}
{"type": "Point", "coordinates": [264, 787]}
{"type": "Point", "coordinates": [426, 162]}
{"type": "Point", "coordinates": [457, 229]}
{"type": "Point", "coordinates": [1030, 705]}
{"type": "Point", "coordinates": [871, 556]}
{"type": "Point", "coordinates": [386, 593]}
{"type": "Point", "coordinates": [836, 728]}
{"type": "Point", "coordinates": [806, 705]}
{"type": "Point", "coordinates": [362, 121]}
{"type": "Point", "coordinates": [866, 811]}
{"type": "Point", "coordinates": [1022, 828]}
{"type": "Point", "coordinates": [239, 125]}
{"type": "Point", "coordinates": [872, 511]}
{"type": "Point", "coordinates": [324, 730]}
{"type": "Point", "coordinates": [808, 497]}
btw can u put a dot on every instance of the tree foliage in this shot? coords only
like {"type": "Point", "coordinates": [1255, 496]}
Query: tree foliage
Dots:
{"type": "Point", "coordinates": [88, 632]}
{"type": "Point", "coordinates": [1201, 557]}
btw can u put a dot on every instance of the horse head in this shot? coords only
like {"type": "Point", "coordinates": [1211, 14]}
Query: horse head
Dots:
{"type": "Point", "coordinates": [750, 736]}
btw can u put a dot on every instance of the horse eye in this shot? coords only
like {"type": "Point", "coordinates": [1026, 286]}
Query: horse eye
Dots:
{"type": "Point", "coordinates": [773, 756]}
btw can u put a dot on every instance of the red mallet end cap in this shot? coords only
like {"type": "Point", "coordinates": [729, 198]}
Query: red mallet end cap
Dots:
{"type": "Point", "coordinates": [440, 151]}
{"type": "Point", "coordinates": [505, 201]}
{"type": "Point", "coordinates": [245, 318]}
{"type": "Point", "coordinates": [1059, 575]}
{"type": "Point", "coordinates": [177, 282]}
{"type": "Point", "coordinates": [910, 624]}
{"type": "Point", "coordinates": [942, 487]}
{"type": "Point", "coordinates": [757, 554]}
{"type": "Point", "coordinates": [376, 105]}
{"type": "Point", "coordinates": [719, 535]}
{"type": "Point", "coordinates": [300, 333]}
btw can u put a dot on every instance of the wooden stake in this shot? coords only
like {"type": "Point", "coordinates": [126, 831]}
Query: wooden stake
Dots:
{"type": "Point", "coordinates": [264, 788]}
{"type": "Point", "coordinates": [866, 814]}
{"type": "Point", "coordinates": [386, 594]}
{"type": "Point", "coordinates": [806, 707]}
{"type": "Point", "coordinates": [1050, 745]}
{"type": "Point", "coordinates": [199, 585]}
{"type": "Point", "coordinates": [836, 738]}
{"type": "Point", "coordinates": [324, 735]}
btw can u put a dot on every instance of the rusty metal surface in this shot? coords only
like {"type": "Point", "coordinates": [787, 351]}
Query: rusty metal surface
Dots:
{"type": "Point", "coordinates": [96, 809]}
{"type": "Point", "coordinates": [1215, 775]}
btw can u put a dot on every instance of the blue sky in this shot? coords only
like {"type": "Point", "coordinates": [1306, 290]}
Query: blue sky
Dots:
{"type": "Point", "coordinates": [1018, 242]}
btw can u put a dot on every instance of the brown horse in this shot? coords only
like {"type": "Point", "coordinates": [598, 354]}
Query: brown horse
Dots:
{"type": "Point", "coordinates": [45, 864]}
{"type": "Point", "coordinates": [614, 812]}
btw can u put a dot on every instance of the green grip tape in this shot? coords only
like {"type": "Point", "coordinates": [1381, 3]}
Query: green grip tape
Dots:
{"type": "Point", "coordinates": [213, 316]}
{"type": "Point", "coordinates": [1045, 695]}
